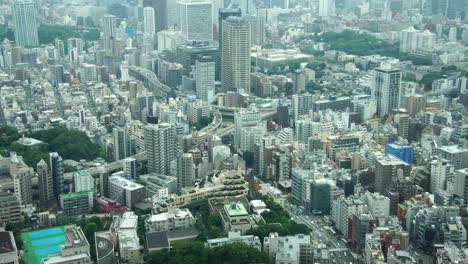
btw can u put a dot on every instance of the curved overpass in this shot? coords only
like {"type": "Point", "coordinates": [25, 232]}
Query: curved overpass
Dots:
{"type": "Point", "coordinates": [150, 80]}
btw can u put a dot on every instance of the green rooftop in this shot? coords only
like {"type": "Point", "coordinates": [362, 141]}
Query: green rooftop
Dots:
{"type": "Point", "coordinates": [235, 209]}
{"type": "Point", "coordinates": [42, 243]}
{"type": "Point", "coordinates": [75, 195]}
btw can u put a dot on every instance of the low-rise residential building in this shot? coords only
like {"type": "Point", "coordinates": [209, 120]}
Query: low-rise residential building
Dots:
{"type": "Point", "coordinates": [173, 219]}
{"type": "Point", "coordinates": [125, 191]}
{"type": "Point", "coordinates": [129, 244]}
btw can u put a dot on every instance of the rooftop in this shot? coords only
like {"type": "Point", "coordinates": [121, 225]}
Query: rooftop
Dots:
{"type": "Point", "coordinates": [235, 209]}
{"type": "Point", "coordinates": [7, 243]}
{"type": "Point", "coordinates": [124, 183]}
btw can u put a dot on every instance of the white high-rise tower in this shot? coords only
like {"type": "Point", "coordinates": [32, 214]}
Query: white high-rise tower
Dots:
{"type": "Point", "coordinates": [24, 18]}
{"type": "Point", "coordinates": [148, 21]}
{"type": "Point", "coordinates": [386, 88]}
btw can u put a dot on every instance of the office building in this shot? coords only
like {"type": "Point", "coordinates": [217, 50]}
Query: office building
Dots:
{"type": "Point", "coordinates": [333, 103]}
{"type": "Point", "coordinates": [195, 19]}
{"type": "Point", "coordinates": [46, 185]}
{"type": "Point", "coordinates": [161, 147]}
{"type": "Point", "coordinates": [149, 26]}
{"type": "Point", "coordinates": [302, 104]}
{"type": "Point", "coordinates": [204, 74]}
{"type": "Point", "coordinates": [77, 204]}
{"type": "Point", "coordinates": [126, 192]}
{"type": "Point", "coordinates": [8, 251]}
{"type": "Point", "coordinates": [25, 22]}
{"type": "Point", "coordinates": [461, 184]}
{"type": "Point", "coordinates": [441, 170]}
{"type": "Point", "coordinates": [402, 122]}
{"type": "Point", "coordinates": [288, 249]}
{"type": "Point", "coordinates": [386, 89]}
{"type": "Point", "coordinates": [169, 39]}
{"type": "Point", "coordinates": [412, 40]}
{"type": "Point", "coordinates": [261, 84]}
{"type": "Point", "coordinates": [109, 31]}
{"type": "Point", "coordinates": [235, 50]}
{"type": "Point", "coordinates": [389, 169]}
{"type": "Point", "coordinates": [58, 74]}
{"type": "Point", "coordinates": [173, 219]}
{"type": "Point", "coordinates": [83, 181]}
{"type": "Point", "coordinates": [343, 209]}
{"type": "Point", "coordinates": [257, 29]}
{"type": "Point", "coordinates": [160, 13]}
{"type": "Point", "coordinates": [187, 55]}
{"type": "Point", "coordinates": [320, 196]}
{"type": "Point", "coordinates": [22, 183]}
{"type": "Point", "coordinates": [245, 118]}
{"type": "Point", "coordinates": [75, 49]}
{"type": "Point", "coordinates": [10, 208]}
{"type": "Point", "coordinates": [456, 155]}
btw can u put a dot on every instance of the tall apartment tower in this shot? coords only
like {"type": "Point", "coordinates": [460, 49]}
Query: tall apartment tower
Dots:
{"type": "Point", "coordinates": [223, 14]}
{"type": "Point", "coordinates": [461, 184]}
{"type": "Point", "coordinates": [387, 89]}
{"type": "Point", "coordinates": [121, 142]}
{"type": "Point", "coordinates": [46, 185]}
{"type": "Point", "coordinates": [185, 171]}
{"type": "Point", "coordinates": [160, 13]}
{"type": "Point", "coordinates": [205, 78]}
{"type": "Point", "coordinates": [24, 18]}
{"type": "Point", "coordinates": [160, 146]}
{"type": "Point", "coordinates": [302, 104]}
{"type": "Point", "coordinates": [75, 48]}
{"type": "Point", "coordinates": [195, 19]}
{"type": "Point", "coordinates": [109, 30]}
{"type": "Point", "coordinates": [235, 55]}
{"type": "Point", "coordinates": [441, 169]}
{"type": "Point", "coordinates": [56, 171]}
{"type": "Point", "coordinates": [149, 25]}
{"type": "Point", "coordinates": [22, 182]}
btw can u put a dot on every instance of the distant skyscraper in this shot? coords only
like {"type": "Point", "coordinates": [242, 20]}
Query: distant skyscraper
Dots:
{"type": "Point", "coordinates": [160, 12]}
{"type": "Point", "coordinates": [75, 48]}
{"type": "Point", "coordinates": [160, 146]}
{"type": "Point", "coordinates": [46, 185]}
{"type": "Point", "coordinates": [205, 78]}
{"type": "Point", "coordinates": [56, 170]}
{"type": "Point", "coordinates": [109, 30]}
{"type": "Point", "coordinates": [24, 18]}
{"type": "Point", "coordinates": [222, 15]}
{"type": "Point", "coordinates": [195, 19]}
{"type": "Point", "coordinates": [58, 74]}
{"type": "Point", "coordinates": [326, 7]}
{"type": "Point", "coordinates": [257, 29]}
{"type": "Point", "coordinates": [387, 89]}
{"type": "Point", "coordinates": [235, 60]}
{"type": "Point", "coordinates": [148, 21]}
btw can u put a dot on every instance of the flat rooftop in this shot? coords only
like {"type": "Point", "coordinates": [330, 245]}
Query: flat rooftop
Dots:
{"type": "Point", "coordinates": [40, 244]}
{"type": "Point", "coordinates": [235, 209]}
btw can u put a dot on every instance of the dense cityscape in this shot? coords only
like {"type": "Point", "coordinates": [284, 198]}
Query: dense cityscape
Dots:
{"type": "Point", "coordinates": [234, 131]}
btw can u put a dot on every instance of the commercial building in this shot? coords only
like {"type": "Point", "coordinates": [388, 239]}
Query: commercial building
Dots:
{"type": "Point", "coordinates": [8, 250]}
{"type": "Point", "coordinates": [77, 203]}
{"type": "Point", "coordinates": [56, 170]}
{"type": "Point", "coordinates": [441, 170]}
{"type": "Point", "coordinates": [9, 208]}
{"type": "Point", "coordinates": [195, 20]}
{"type": "Point", "coordinates": [333, 103]}
{"type": "Point", "coordinates": [456, 155]}
{"type": "Point", "coordinates": [272, 58]}
{"type": "Point", "coordinates": [25, 21]}
{"type": "Point", "coordinates": [245, 118]}
{"type": "Point", "coordinates": [400, 151]}
{"type": "Point", "coordinates": [160, 13]}
{"type": "Point", "coordinates": [173, 219]}
{"type": "Point", "coordinates": [320, 196]}
{"type": "Point", "coordinates": [289, 249]}
{"type": "Point", "coordinates": [83, 181]}
{"type": "Point", "coordinates": [149, 26]}
{"type": "Point", "coordinates": [461, 184]}
{"type": "Point", "coordinates": [185, 170]}
{"type": "Point", "coordinates": [125, 191]}
{"type": "Point", "coordinates": [46, 188]}
{"type": "Point", "coordinates": [187, 55]}
{"type": "Point", "coordinates": [121, 142]}
{"type": "Point", "coordinates": [204, 74]}
{"type": "Point", "coordinates": [235, 217]}
{"type": "Point", "coordinates": [343, 209]}
{"type": "Point", "coordinates": [109, 30]}
{"type": "Point", "coordinates": [169, 39]}
{"type": "Point", "coordinates": [389, 169]}
{"type": "Point", "coordinates": [302, 104]}
{"type": "Point", "coordinates": [159, 184]}
{"type": "Point", "coordinates": [235, 60]}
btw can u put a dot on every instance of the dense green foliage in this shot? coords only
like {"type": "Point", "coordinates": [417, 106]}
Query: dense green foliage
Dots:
{"type": "Point", "coordinates": [90, 226]}
{"type": "Point", "coordinates": [69, 143]}
{"type": "Point", "coordinates": [194, 252]}
{"type": "Point", "coordinates": [430, 77]}
{"type": "Point", "coordinates": [277, 221]}
{"type": "Point", "coordinates": [208, 225]}
{"type": "Point", "coordinates": [203, 122]}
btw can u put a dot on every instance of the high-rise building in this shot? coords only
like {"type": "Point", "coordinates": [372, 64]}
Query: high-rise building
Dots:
{"type": "Point", "coordinates": [24, 19]}
{"type": "Point", "coordinates": [461, 184]}
{"type": "Point", "coordinates": [10, 208]}
{"type": "Point", "coordinates": [121, 142]}
{"type": "Point", "coordinates": [456, 8]}
{"type": "Point", "coordinates": [456, 155]}
{"type": "Point", "coordinates": [83, 181]}
{"type": "Point", "coordinates": [130, 168]}
{"type": "Point", "coordinates": [75, 49]}
{"type": "Point", "coordinates": [109, 30]}
{"type": "Point", "coordinates": [257, 29]}
{"type": "Point", "coordinates": [187, 56]}
{"type": "Point", "coordinates": [56, 170]}
{"type": "Point", "coordinates": [88, 73]}
{"type": "Point", "coordinates": [46, 185]}
{"type": "Point", "coordinates": [160, 12]}
{"type": "Point", "coordinates": [412, 40]}
{"type": "Point", "coordinates": [440, 170]}
{"type": "Point", "coordinates": [195, 20]}
{"type": "Point", "coordinates": [326, 7]}
{"type": "Point", "coordinates": [148, 21]}
{"type": "Point", "coordinates": [185, 171]}
{"type": "Point", "coordinates": [58, 74]}
{"type": "Point", "coordinates": [160, 146]}
{"type": "Point", "coordinates": [386, 89]}
{"type": "Point", "coordinates": [389, 169]}
{"type": "Point", "coordinates": [402, 122]}
{"type": "Point", "coordinates": [235, 54]}
{"type": "Point", "coordinates": [302, 104]}
{"type": "Point", "coordinates": [126, 192]}
{"type": "Point", "coordinates": [205, 78]}
{"type": "Point", "coordinates": [245, 118]}
{"type": "Point", "coordinates": [22, 183]}
{"type": "Point", "coordinates": [223, 14]}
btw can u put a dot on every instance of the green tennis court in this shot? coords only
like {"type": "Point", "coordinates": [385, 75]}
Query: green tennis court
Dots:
{"type": "Point", "coordinates": [42, 243]}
